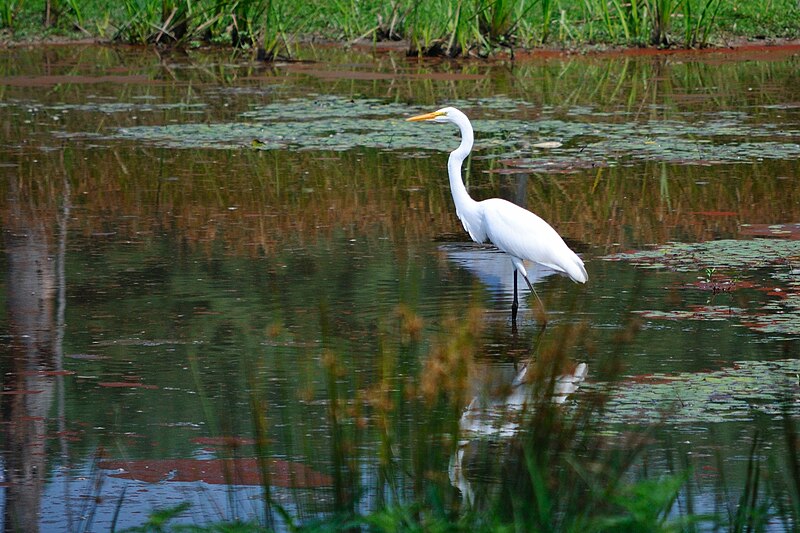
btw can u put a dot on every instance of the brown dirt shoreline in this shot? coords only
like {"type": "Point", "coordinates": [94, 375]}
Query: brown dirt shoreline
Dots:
{"type": "Point", "coordinates": [741, 48]}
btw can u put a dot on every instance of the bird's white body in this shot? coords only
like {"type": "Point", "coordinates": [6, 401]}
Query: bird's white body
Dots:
{"type": "Point", "coordinates": [514, 230]}
{"type": "Point", "coordinates": [524, 235]}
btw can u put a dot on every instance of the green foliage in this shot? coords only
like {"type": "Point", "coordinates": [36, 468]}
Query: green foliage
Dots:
{"type": "Point", "coordinates": [441, 27]}
{"type": "Point", "coordinates": [158, 520]}
{"type": "Point", "coordinates": [661, 13]}
{"type": "Point", "coordinates": [697, 29]}
{"type": "Point", "coordinates": [437, 27]}
{"type": "Point", "coordinates": [8, 12]}
{"type": "Point", "coordinates": [497, 19]}
{"type": "Point", "coordinates": [778, 18]}
{"type": "Point", "coordinates": [632, 19]}
{"type": "Point", "coordinates": [646, 505]}
{"type": "Point", "coordinates": [75, 9]}
{"type": "Point", "coordinates": [641, 22]}
{"type": "Point", "coordinates": [277, 17]}
{"type": "Point", "coordinates": [140, 20]}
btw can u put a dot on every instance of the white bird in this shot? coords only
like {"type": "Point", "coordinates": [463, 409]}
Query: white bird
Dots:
{"type": "Point", "coordinates": [513, 229]}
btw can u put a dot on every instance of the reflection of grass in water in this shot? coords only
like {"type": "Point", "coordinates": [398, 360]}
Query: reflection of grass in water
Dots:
{"type": "Point", "coordinates": [609, 88]}
{"type": "Point", "coordinates": [251, 202]}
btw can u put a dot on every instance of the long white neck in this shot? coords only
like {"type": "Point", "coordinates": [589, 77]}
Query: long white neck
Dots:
{"type": "Point", "coordinates": [461, 197]}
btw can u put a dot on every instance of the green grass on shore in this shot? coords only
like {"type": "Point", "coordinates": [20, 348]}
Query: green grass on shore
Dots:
{"type": "Point", "coordinates": [435, 27]}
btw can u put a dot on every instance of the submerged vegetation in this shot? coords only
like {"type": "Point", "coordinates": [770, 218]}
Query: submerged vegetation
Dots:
{"type": "Point", "coordinates": [436, 27]}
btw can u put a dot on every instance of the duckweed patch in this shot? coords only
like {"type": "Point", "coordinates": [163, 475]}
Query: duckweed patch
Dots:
{"type": "Point", "coordinates": [784, 231]}
{"type": "Point", "coordinates": [779, 316]}
{"type": "Point", "coordinates": [575, 138]}
{"type": "Point", "coordinates": [723, 254]}
{"type": "Point", "coordinates": [714, 312]}
{"type": "Point", "coordinates": [735, 393]}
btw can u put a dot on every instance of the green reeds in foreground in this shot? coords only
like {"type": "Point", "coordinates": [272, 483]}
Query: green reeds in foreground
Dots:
{"type": "Point", "coordinates": [560, 471]}
{"type": "Point", "coordinates": [563, 470]}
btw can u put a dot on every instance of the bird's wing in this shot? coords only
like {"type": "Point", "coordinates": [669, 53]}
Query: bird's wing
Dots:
{"type": "Point", "coordinates": [523, 234]}
{"type": "Point", "coordinates": [472, 220]}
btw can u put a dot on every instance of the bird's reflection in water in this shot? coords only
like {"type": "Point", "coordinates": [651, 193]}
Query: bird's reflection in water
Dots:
{"type": "Point", "coordinates": [493, 268]}
{"type": "Point", "coordinates": [504, 397]}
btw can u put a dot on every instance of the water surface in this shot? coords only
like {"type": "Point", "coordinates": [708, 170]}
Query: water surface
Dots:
{"type": "Point", "coordinates": [207, 258]}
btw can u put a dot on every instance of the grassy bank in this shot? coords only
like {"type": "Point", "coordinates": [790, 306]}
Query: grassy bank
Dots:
{"type": "Point", "coordinates": [436, 27]}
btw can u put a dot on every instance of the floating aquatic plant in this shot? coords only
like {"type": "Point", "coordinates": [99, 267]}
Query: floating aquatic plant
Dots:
{"type": "Point", "coordinates": [700, 312]}
{"type": "Point", "coordinates": [722, 254]}
{"type": "Point", "coordinates": [126, 107]}
{"type": "Point", "coordinates": [574, 137]}
{"type": "Point", "coordinates": [778, 316]}
{"type": "Point", "coordinates": [785, 231]}
{"type": "Point", "coordinates": [316, 108]}
{"type": "Point", "coordinates": [734, 393]}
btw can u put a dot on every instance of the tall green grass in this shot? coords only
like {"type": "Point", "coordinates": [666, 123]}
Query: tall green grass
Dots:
{"type": "Point", "coordinates": [436, 27]}
{"type": "Point", "coordinates": [262, 24]}
{"type": "Point", "coordinates": [698, 26]}
{"type": "Point", "coordinates": [8, 12]}
{"type": "Point", "coordinates": [662, 12]}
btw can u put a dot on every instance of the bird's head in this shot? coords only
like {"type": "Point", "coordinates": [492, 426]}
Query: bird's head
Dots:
{"type": "Point", "coordinates": [446, 114]}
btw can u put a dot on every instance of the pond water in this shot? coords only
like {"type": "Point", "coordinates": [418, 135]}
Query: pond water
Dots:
{"type": "Point", "coordinates": [217, 271]}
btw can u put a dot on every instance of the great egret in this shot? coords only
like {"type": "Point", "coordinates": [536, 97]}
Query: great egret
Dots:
{"type": "Point", "coordinates": [514, 230]}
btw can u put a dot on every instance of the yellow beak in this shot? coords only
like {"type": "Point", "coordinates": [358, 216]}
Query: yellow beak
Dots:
{"type": "Point", "coordinates": [426, 116]}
